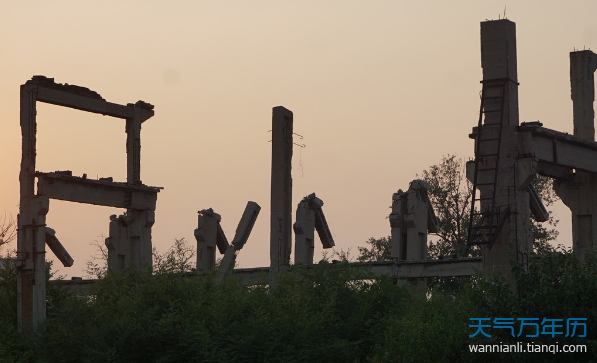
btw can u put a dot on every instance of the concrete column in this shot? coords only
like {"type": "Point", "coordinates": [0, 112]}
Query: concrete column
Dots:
{"type": "Point", "coordinates": [129, 241]}
{"type": "Point", "coordinates": [206, 236]}
{"type": "Point", "coordinates": [139, 235]}
{"type": "Point", "coordinates": [119, 252]}
{"type": "Point", "coordinates": [411, 218]}
{"type": "Point", "coordinates": [498, 59]}
{"type": "Point", "coordinates": [304, 233]}
{"type": "Point", "coordinates": [582, 68]}
{"type": "Point", "coordinates": [580, 194]}
{"type": "Point", "coordinates": [31, 262]}
{"type": "Point", "coordinates": [31, 267]}
{"type": "Point", "coordinates": [133, 149]}
{"type": "Point", "coordinates": [281, 190]}
{"type": "Point", "coordinates": [29, 139]}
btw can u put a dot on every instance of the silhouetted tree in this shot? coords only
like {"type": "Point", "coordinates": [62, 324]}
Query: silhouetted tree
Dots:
{"type": "Point", "coordinates": [450, 194]}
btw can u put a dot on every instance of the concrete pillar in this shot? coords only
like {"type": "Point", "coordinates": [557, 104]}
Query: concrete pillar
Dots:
{"type": "Point", "coordinates": [304, 233]}
{"type": "Point", "coordinates": [31, 261]}
{"type": "Point", "coordinates": [119, 252]}
{"type": "Point", "coordinates": [310, 218]}
{"type": "Point", "coordinates": [133, 148]}
{"type": "Point", "coordinates": [206, 236]}
{"type": "Point", "coordinates": [31, 266]}
{"type": "Point", "coordinates": [139, 235]}
{"type": "Point", "coordinates": [580, 194]}
{"type": "Point", "coordinates": [129, 242]}
{"type": "Point", "coordinates": [411, 218]}
{"type": "Point", "coordinates": [582, 68]}
{"type": "Point", "coordinates": [498, 59]}
{"type": "Point", "coordinates": [281, 191]}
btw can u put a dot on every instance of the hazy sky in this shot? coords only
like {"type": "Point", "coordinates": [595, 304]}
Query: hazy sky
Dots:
{"type": "Point", "coordinates": [380, 90]}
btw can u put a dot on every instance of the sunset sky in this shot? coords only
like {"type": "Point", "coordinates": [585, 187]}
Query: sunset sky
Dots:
{"type": "Point", "coordinates": [380, 90]}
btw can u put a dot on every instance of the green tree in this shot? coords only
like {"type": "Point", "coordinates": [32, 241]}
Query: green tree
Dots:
{"type": "Point", "coordinates": [450, 194]}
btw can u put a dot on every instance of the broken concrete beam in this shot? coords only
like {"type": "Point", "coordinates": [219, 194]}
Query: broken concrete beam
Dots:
{"type": "Point", "coordinates": [245, 225]}
{"type": "Point", "coordinates": [323, 230]}
{"type": "Point", "coordinates": [58, 249]}
{"type": "Point", "coordinates": [98, 192]}
{"type": "Point", "coordinates": [227, 263]}
{"type": "Point", "coordinates": [537, 208]}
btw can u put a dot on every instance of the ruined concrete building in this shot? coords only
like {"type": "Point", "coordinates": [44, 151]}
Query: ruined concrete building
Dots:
{"type": "Point", "coordinates": [509, 155]}
{"type": "Point", "coordinates": [129, 243]}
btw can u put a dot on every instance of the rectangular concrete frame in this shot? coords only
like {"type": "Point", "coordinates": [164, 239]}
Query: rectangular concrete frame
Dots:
{"type": "Point", "coordinates": [33, 208]}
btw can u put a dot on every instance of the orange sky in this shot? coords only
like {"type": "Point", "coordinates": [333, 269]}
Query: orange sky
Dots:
{"type": "Point", "coordinates": [380, 90]}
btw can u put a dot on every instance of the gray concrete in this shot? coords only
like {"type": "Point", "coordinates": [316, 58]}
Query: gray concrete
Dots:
{"type": "Point", "coordinates": [405, 270]}
{"type": "Point", "coordinates": [531, 149]}
{"type": "Point", "coordinates": [132, 236]}
{"type": "Point", "coordinates": [499, 62]}
{"type": "Point", "coordinates": [209, 235]}
{"type": "Point", "coordinates": [309, 218]}
{"type": "Point", "coordinates": [579, 193]}
{"type": "Point", "coordinates": [281, 191]}
{"type": "Point", "coordinates": [411, 218]}
{"type": "Point", "coordinates": [243, 230]}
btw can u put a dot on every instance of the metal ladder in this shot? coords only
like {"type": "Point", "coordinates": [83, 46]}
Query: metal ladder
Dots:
{"type": "Point", "coordinates": [485, 225]}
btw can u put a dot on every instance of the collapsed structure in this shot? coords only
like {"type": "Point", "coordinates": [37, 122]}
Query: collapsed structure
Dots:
{"type": "Point", "coordinates": [209, 235]}
{"type": "Point", "coordinates": [129, 243]}
{"type": "Point", "coordinates": [411, 218]}
{"type": "Point", "coordinates": [508, 156]}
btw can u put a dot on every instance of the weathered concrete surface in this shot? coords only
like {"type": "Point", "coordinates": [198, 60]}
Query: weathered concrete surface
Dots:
{"type": "Point", "coordinates": [129, 242]}
{"type": "Point", "coordinates": [97, 192]}
{"type": "Point", "coordinates": [134, 238]}
{"type": "Point", "coordinates": [580, 192]}
{"type": "Point", "coordinates": [243, 230]}
{"type": "Point", "coordinates": [398, 270]}
{"type": "Point", "coordinates": [31, 262]}
{"type": "Point", "coordinates": [209, 235]}
{"type": "Point", "coordinates": [58, 249]}
{"type": "Point", "coordinates": [281, 191]}
{"type": "Point", "coordinates": [411, 218]}
{"type": "Point", "coordinates": [309, 218]}
{"type": "Point", "coordinates": [499, 62]}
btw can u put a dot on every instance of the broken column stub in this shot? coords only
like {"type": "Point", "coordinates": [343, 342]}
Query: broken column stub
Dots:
{"type": "Point", "coordinates": [281, 190]}
{"type": "Point", "coordinates": [310, 218]}
{"type": "Point", "coordinates": [411, 219]}
{"type": "Point", "coordinates": [209, 235]}
{"type": "Point", "coordinates": [129, 242]}
{"type": "Point", "coordinates": [582, 84]}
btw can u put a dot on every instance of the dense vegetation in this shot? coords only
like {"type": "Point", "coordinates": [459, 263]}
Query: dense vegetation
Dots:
{"type": "Point", "coordinates": [330, 313]}
{"type": "Point", "coordinates": [317, 315]}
